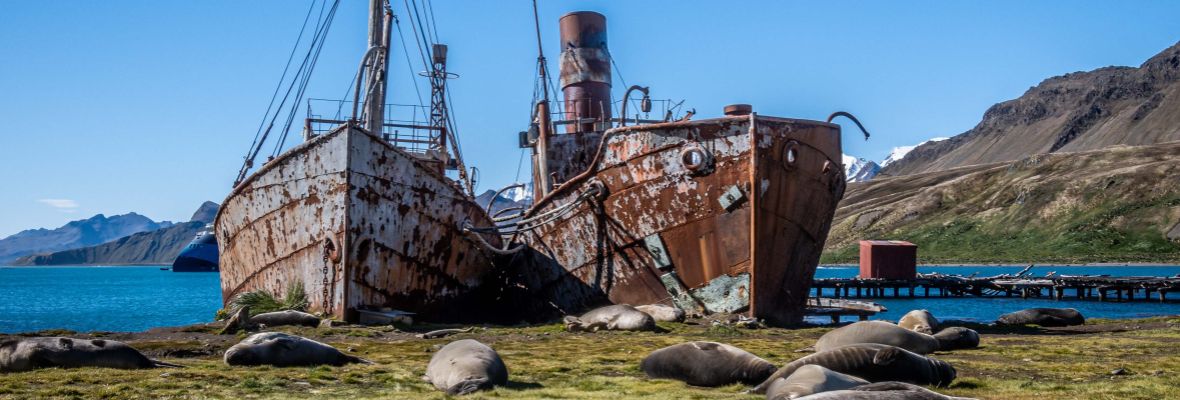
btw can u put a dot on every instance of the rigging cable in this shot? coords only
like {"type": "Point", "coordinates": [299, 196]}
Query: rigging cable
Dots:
{"type": "Point", "coordinates": [317, 45]}
{"type": "Point", "coordinates": [409, 64]}
{"type": "Point", "coordinates": [294, 80]}
{"type": "Point", "coordinates": [255, 145]}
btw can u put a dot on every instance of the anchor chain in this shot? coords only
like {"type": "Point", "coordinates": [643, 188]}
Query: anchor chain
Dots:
{"type": "Point", "coordinates": [330, 254]}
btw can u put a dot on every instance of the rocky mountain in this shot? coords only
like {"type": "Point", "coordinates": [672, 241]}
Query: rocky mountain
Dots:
{"type": "Point", "coordinates": [205, 213]}
{"type": "Point", "coordinates": [859, 169]}
{"type": "Point", "coordinates": [1069, 113]}
{"type": "Point", "coordinates": [901, 151]}
{"type": "Point", "coordinates": [81, 233]}
{"type": "Point", "coordinates": [160, 246]}
{"type": "Point", "coordinates": [1116, 204]}
{"type": "Point", "coordinates": [513, 197]}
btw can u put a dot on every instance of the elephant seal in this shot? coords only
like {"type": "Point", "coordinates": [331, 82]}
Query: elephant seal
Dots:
{"type": "Point", "coordinates": [663, 313]}
{"type": "Point", "coordinates": [886, 333]}
{"type": "Point", "coordinates": [619, 317]}
{"type": "Point", "coordinates": [1048, 317]}
{"type": "Point", "coordinates": [27, 354]}
{"type": "Point", "coordinates": [811, 379]}
{"type": "Point", "coordinates": [706, 364]}
{"type": "Point", "coordinates": [286, 317]}
{"type": "Point", "coordinates": [957, 337]}
{"type": "Point", "coordinates": [283, 350]}
{"type": "Point", "coordinates": [874, 363]}
{"type": "Point", "coordinates": [919, 321]}
{"type": "Point", "coordinates": [464, 366]}
{"type": "Point", "coordinates": [883, 391]}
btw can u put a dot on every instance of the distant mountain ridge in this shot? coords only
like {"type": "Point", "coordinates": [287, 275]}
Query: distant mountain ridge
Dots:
{"type": "Point", "coordinates": [1074, 112]}
{"type": "Point", "coordinates": [81, 233]}
{"type": "Point", "coordinates": [159, 246]}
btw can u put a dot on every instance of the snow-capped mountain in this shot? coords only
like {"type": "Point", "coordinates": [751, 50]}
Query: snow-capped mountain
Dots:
{"type": "Point", "coordinates": [514, 197]}
{"type": "Point", "coordinates": [859, 169]}
{"type": "Point", "coordinates": [899, 152]}
{"type": "Point", "coordinates": [520, 194]}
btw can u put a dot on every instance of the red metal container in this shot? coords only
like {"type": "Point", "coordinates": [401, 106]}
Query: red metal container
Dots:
{"type": "Point", "coordinates": [888, 259]}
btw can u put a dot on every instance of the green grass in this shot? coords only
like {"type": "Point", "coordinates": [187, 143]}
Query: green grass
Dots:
{"type": "Point", "coordinates": [546, 363]}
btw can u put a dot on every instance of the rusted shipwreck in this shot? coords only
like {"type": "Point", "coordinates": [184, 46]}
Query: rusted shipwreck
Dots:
{"type": "Point", "coordinates": [362, 214]}
{"type": "Point", "coordinates": [726, 214]}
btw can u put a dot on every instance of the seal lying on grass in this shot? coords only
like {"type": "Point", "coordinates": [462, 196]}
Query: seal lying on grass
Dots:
{"type": "Point", "coordinates": [883, 391]}
{"type": "Point", "coordinates": [1047, 317]}
{"type": "Point", "coordinates": [286, 317]}
{"type": "Point", "coordinates": [706, 364]}
{"type": "Point", "coordinates": [921, 321]}
{"type": "Point", "coordinates": [465, 366]}
{"type": "Point", "coordinates": [283, 350]}
{"type": "Point", "coordinates": [874, 363]}
{"type": "Point", "coordinates": [663, 313]}
{"type": "Point", "coordinates": [886, 333]}
{"type": "Point", "coordinates": [811, 379]}
{"type": "Point", "coordinates": [47, 352]}
{"type": "Point", "coordinates": [619, 317]}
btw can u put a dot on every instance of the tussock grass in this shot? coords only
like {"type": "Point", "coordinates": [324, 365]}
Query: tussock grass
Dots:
{"type": "Point", "coordinates": [261, 301]}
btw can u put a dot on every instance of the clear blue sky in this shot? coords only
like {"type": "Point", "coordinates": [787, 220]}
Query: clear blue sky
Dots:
{"type": "Point", "coordinates": [148, 106]}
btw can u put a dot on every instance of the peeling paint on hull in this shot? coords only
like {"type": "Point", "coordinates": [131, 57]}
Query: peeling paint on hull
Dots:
{"type": "Point", "coordinates": [361, 224]}
{"type": "Point", "coordinates": [789, 183]}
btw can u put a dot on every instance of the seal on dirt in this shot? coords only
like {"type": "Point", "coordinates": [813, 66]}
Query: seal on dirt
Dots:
{"type": "Point", "coordinates": [27, 354]}
{"type": "Point", "coordinates": [919, 321]}
{"type": "Point", "coordinates": [286, 317]}
{"type": "Point", "coordinates": [811, 379]}
{"type": "Point", "coordinates": [706, 364]}
{"type": "Point", "coordinates": [619, 317]}
{"type": "Point", "coordinates": [465, 366]}
{"type": "Point", "coordinates": [283, 350]}
{"type": "Point", "coordinates": [874, 363]}
{"type": "Point", "coordinates": [886, 333]}
{"type": "Point", "coordinates": [883, 391]}
{"type": "Point", "coordinates": [1048, 317]}
{"type": "Point", "coordinates": [663, 313]}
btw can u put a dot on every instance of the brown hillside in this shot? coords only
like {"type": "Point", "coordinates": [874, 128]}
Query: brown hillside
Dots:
{"type": "Point", "coordinates": [1074, 112]}
{"type": "Point", "coordinates": [1117, 204]}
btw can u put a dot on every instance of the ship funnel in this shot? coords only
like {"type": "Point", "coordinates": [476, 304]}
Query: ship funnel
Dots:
{"type": "Point", "coordinates": [585, 71]}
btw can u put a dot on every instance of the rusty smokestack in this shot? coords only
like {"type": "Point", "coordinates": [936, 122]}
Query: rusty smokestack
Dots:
{"type": "Point", "coordinates": [585, 69]}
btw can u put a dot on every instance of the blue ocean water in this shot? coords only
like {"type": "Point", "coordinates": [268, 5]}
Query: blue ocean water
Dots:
{"type": "Point", "coordinates": [987, 309]}
{"type": "Point", "coordinates": [124, 298]}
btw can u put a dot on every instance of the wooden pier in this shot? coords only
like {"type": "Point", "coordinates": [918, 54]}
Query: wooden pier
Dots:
{"type": "Point", "coordinates": [1051, 286]}
{"type": "Point", "coordinates": [836, 308]}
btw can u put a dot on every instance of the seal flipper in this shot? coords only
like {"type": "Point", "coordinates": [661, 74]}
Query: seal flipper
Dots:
{"type": "Point", "coordinates": [162, 364]}
{"type": "Point", "coordinates": [886, 356]}
{"type": "Point", "coordinates": [468, 386]}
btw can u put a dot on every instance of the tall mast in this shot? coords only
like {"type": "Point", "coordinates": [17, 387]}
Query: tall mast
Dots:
{"type": "Point", "coordinates": [541, 179]}
{"type": "Point", "coordinates": [380, 18]}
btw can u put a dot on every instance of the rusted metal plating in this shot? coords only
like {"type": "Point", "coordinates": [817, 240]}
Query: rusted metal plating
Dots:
{"type": "Point", "coordinates": [663, 229]}
{"type": "Point", "coordinates": [361, 224]}
{"type": "Point", "coordinates": [585, 70]}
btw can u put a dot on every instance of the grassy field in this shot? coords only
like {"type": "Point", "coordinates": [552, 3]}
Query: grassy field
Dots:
{"type": "Point", "coordinates": [544, 363]}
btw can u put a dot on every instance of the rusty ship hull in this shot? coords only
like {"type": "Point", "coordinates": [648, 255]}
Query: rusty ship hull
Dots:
{"type": "Point", "coordinates": [725, 215]}
{"type": "Point", "coordinates": [361, 223]}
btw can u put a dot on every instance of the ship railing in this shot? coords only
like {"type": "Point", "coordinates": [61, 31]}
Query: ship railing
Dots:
{"type": "Point", "coordinates": [406, 126]}
{"type": "Point", "coordinates": [665, 110]}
